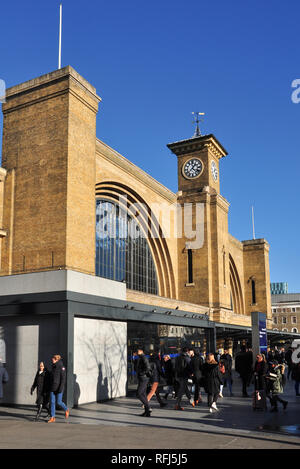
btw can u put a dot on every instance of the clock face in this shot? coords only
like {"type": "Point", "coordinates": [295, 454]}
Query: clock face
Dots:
{"type": "Point", "coordinates": [192, 168]}
{"type": "Point", "coordinates": [214, 170]}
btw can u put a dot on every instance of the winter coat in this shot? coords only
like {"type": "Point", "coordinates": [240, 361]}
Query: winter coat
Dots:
{"type": "Point", "coordinates": [212, 378]}
{"type": "Point", "coordinates": [296, 372]}
{"type": "Point", "coordinates": [183, 369]}
{"type": "Point", "coordinates": [260, 371]}
{"type": "Point", "coordinates": [196, 365]}
{"type": "Point", "coordinates": [57, 377]}
{"type": "Point", "coordinates": [3, 379]}
{"type": "Point", "coordinates": [169, 372]}
{"type": "Point", "coordinates": [243, 363]}
{"type": "Point", "coordinates": [42, 385]}
{"type": "Point", "coordinates": [274, 384]}
{"type": "Point", "coordinates": [156, 371]}
{"type": "Point", "coordinates": [226, 358]}
{"type": "Point", "coordinates": [142, 368]}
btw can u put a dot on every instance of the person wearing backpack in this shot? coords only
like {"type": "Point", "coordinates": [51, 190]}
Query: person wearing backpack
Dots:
{"type": "Point", "coordinates": [183, 371]}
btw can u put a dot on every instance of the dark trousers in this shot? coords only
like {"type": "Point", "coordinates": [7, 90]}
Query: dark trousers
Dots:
{"type": "Point", "coordinates": [182, 389]}
{"type": "Point", "coordinates": [245, 383]}
{"type": "Point", "coordinates": [274, 399]}
{"type": "Point", "coordinates": [142, 392]}
{"type": "Point", "coordinates": [196, 381]}
{"type": "Point", "coordinates": [212, 398]}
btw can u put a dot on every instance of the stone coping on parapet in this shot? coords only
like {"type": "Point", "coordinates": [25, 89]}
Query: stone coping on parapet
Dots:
{"type": "Point", "coordinates": [164, 302]}
{"type": "Point", "coordinates": [255, 242]}
{"type": "Point", "coordinates": [48, 78]}
{"type": "Point", "coordinates": [104, 150]}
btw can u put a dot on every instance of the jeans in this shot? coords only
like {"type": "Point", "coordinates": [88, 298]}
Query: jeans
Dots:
{"type": "Point", "coordinates": [56, 399]}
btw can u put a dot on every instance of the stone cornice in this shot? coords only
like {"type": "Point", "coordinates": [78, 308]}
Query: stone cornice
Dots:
{"type": "Point", "coordinates": [201, 143]}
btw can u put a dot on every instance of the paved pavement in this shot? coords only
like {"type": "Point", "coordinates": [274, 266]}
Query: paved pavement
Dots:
{"type": "Point", "coordinates": [117, 424]}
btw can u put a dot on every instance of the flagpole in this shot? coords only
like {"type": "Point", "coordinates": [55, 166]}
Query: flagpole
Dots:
{"type": "Point", "coordinates": [253, 223]}
{"type": "Point", "coordinates": [60, 30]}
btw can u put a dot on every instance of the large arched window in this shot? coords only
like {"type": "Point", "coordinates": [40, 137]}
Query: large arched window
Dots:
{"type": "Point", "coordinates": [122, 251]}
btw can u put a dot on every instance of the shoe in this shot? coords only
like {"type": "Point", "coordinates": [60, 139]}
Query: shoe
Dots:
{"type": "Point", "coordinates": [147, 413]}
{"type": "Point", "coordinates": [214, 406]}
{"type": "Point", "coordinates": [163, 404]}
{"type": "Point", "coordinates": [166, 396]}
{"type": "Point", "coordinates": [67, 413]}
{"type": "Point", "coordinates": [196, 402]}
{"type": "Point", "coordinates": [231, 394]}
{"type": "Point", "coordinates": [297, 395]}
{"type": "Point", "coordinates": [285, 405]}
{"type": "Point", "coordinates": [274, 409]}
{"type": "Point", "coordinates": [220, 394]}
{"type": "Point", "coordinates": [192, 402]}
{"type": "Point", "coordinates": [178, 407]}
{"type": "Point", "coordinates": [210, 410]}
{"type": "Point", "coordinates": [52, 420]}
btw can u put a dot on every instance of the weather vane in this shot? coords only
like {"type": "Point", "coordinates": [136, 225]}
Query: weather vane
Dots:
{"type": "Point", "coordinates": [196, 121]}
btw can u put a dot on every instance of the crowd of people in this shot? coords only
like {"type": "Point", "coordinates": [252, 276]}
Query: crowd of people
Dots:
{"type": "Point", "coordinates": [186, 374]}
{"type": "Point", "coordinates": [190, 373]}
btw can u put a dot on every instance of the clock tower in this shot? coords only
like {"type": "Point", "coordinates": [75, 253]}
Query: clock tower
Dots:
{"type": "Point", "coordinates": [198, 163]}
{"type": "Point", "coordinates": [203, 274]}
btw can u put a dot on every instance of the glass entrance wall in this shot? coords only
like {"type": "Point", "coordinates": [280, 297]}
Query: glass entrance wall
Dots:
{"type": "Point", "coordinates": [122, 252]}
{"type": "Point", "coordinates": [164, 339]}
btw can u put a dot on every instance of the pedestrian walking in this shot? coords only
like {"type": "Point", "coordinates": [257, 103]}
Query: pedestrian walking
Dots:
{"type": "Point", "coordinates": [226, 358]}
{"type": "Point", "coordinates": [183, 372]}
{"type": "Point", "coordinates": [296, 377]}
{"type": "Point", "coordinates": [57, 385]}
{"type": "Point", "coordinates": [275, 385]}
{"type": "Point", "coordinates": [260, 371]}
{"type": "Point", "coordinates": [143, 372]}
{"type": "Point", "coordinates": [42, 385]}
{"type": "Point", "coordinates": [196, 365]}
{"type": "Point", "coordinates": [289, 361]}
{"type": "Point", "coordinates": [243, 365]}
{"type": "Point", "coordinates": [155, 378]}
{"type": "Point", "coordinates": [3, 378]}
{"type": "Point", "coordinates": [212, 379]}
{"type": "Point", "coordinates": [169, 374]}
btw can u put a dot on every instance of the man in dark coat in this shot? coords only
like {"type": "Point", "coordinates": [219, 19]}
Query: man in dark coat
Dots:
{"type": "Point", "coordinates": [196, 365]}
{"type": "Point", "coordinates": [243, 365]}
{"type": "Point", "coordinates": [169, 374]}
{"type": "Point", "coordinates": [3, 378]}
{"type": "Point", "coordinates": [183, 371]}
{"type": "Point", "coordinates": [57, 385]}
{"type": "Point", "coordinates": [143, 372]}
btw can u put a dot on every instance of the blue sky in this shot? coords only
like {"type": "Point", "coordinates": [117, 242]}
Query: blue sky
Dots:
{"type": "Point", "coordinates": [153, 63]}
